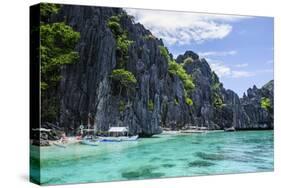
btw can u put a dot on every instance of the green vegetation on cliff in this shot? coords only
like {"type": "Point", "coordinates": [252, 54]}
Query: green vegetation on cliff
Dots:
{"type": "Point", "coordinates": [122, 41]}
{"type": "Point", "coordinates": [150, 105]}
{"type": "Point", "coordinates": [122, 106]}
{"type": "Point", "coordinates": [57, 45]}
{"type": "Point", "coordinates": [178, 70]}
{"type": "Point", "coordinates": [47, 10]}
{"type": "Point", "coordinates": [124, 78]}
{"type": "Point", "coordinates": [265, 104]}
{"type": "Point", "coordinates": [217, 99]}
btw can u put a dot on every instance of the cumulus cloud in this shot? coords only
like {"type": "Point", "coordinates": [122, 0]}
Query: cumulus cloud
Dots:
{"type": "Point", "coordinates": [184, 28]}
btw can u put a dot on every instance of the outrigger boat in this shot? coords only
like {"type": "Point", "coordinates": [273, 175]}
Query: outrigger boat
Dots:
{"type": "Point", "coordinates": [117, 139]}
{"type": "Point", "coordinates": [89, 142]}
{"type": "Point", "coordinates": [115, 132]}
{"type": "Point", "coordinates": [195, 129]}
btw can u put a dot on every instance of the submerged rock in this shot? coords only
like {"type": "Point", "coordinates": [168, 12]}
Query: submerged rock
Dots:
{"type": "Point", "coordinates": [144, 172]}
{"type": "Point", "coordinates": [210, 156]}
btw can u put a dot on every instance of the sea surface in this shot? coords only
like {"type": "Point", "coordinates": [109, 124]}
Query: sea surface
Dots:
{"type": "Point", "coordinates": [157, 157]}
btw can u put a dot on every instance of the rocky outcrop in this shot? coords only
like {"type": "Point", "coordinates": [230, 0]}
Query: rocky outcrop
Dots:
{"type": "Point", "coordinates": [205, 112]}
{"type": "Point", "coordinates": [86, 87]}
{"type": "Point", "coordinates": [88, 94]}
{"type": "Point", "coordinates": [257, 116]}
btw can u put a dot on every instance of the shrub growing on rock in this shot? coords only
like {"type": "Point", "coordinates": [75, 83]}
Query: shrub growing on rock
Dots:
{"type": "Point", "coordinates": [217, 100]}
{"type": "Point", "coordinates": [188, 101]}
{"type": "Point", "coordinates": [114, 25]}
{"type": "Point", "coordinates": [125, 79]}
{"type": "Point", "coordinates": [150, 105]}
{"type": "Point", "coordinates": [265, 103]}
{"type": "Point", "coordinates": [122, 106]}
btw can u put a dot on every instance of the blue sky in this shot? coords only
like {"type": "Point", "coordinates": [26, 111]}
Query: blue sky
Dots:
{"type": "Point", "coordinates": [238, 48]}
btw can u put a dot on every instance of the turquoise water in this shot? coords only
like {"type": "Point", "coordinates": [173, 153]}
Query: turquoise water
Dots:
{"type": "Point", "coordinates": [159, 156]}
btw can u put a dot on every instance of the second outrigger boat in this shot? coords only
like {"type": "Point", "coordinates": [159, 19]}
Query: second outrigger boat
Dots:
{"type": "Point", "coordinates": [195, 129]}
{"type": "Point", "coordinates": [114, 135]}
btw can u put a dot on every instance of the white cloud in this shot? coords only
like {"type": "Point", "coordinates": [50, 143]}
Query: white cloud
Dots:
{"type": "Point", "coordinates": [223, 70]}
{"type": "Point", "coordinates": [184, 28]}
{"type": "Point", "coordinates": [241, 74]}
{"type": "Point", "coordinates": [220, 69]}
{"type": "Point", "coordinates": [217, 53]}
{"type": "Point", "coordinates": [241, 65]}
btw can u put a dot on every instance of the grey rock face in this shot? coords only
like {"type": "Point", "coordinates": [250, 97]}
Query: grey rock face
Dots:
{"type": "Point", "coordinates": [258, 117]}
{"type": "Point", "coordinates": [86, 89]}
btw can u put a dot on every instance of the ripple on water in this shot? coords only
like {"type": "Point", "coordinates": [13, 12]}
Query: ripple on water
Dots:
{"type": "Point", "coordinates": [211, 156]}
{"type": "Point", "coordinates": [248, 159]}
{"type": "Point", "coordinates": [154, 159]}
{"type": "Point", "coordinates": [200, 163]}
{"type": "Point", "coordinates": [258, 140]}
{"type": "Point", "coordinates": [264, 168]}
{"type": "Point", "coordinates": [260, 153]}
{"type": "Point", "coordinates": [167, 165]}
{"type": "Point", "coordinates": [195, 142]}
{"type": "Point", "coordinates": [143, 172]}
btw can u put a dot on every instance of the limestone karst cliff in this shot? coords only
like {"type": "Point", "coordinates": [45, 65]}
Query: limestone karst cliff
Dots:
{"type": "Point", "coordinates": [158, 99]}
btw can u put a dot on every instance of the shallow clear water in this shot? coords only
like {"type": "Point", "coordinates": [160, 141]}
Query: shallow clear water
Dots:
{"type": "Point", "coordinates": [160, 156]}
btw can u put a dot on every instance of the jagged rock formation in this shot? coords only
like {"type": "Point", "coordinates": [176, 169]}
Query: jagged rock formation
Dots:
{"type": "Point", "coordinates": [86, 90]}
{"type": "Point", "coordinates": [205, 112]}
{"type": "Point", "coordinates": [258, 117]}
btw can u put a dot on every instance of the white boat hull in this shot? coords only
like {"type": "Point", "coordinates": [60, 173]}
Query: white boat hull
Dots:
{"type": "Point", "coordinates": [194, 131]}
{"type": "Point", "coordinates": [88, 142]}
{"type": "Point", "coordinates": [117, 139]}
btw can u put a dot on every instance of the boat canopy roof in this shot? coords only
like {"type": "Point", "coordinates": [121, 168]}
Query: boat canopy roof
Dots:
{"type": "Point", "coordinates": [42, 130]}
{"type": "Point", "coordinates": [118, 129]}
